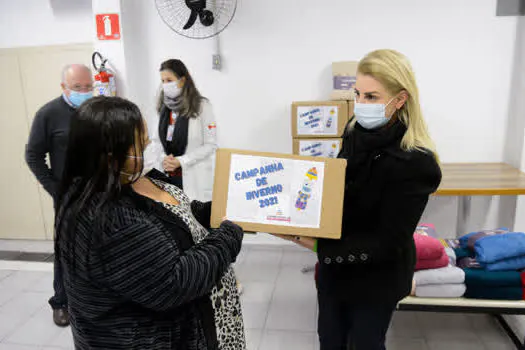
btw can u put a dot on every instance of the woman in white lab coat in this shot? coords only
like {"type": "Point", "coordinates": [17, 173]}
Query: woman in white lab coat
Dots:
{"type": "Point", "coordinates": [186, 136]}
{"type": "Point", "coordinates": [185, 141]}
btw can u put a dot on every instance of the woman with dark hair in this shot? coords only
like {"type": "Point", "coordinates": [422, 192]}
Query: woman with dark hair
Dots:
{"type": "Point", "coordinates": [142, 270]}
{"type": "Point", "coordinates": [186, 131]}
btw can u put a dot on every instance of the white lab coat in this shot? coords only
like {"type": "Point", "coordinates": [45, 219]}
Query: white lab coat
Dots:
{"type": "Point", "coordinates": [198, 162]}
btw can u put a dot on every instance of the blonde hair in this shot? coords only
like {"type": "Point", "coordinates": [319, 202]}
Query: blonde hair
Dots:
{"type": "Point", "coordinates": [393, 70]}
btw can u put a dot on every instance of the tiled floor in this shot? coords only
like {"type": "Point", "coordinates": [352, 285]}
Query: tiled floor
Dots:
{"type": "Point", "coordinates": [279, 309]}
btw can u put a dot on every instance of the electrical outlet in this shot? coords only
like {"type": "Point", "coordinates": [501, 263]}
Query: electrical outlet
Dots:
{"type": "Point", "coordinates": [217, 63]}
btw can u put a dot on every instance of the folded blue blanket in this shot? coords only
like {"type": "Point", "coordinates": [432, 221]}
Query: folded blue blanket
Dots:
{"type": "Point", "coordinates": [517, 263]}
{"type": "Point", "coordinates": [463, 240]}
{"type": "Point", "coordinates": [492, 249]}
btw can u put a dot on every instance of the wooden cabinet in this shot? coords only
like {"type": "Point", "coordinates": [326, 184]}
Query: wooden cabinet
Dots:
{"type": "Point", "coordinates": [30, 78]}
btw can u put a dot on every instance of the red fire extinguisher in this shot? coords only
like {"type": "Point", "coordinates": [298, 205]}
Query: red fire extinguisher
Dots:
{"type": "Point", "coordinates": [104, 79]}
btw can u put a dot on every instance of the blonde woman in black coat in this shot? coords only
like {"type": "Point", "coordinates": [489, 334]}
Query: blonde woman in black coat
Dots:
{"type": "Point", "coordinates": [392, 168]}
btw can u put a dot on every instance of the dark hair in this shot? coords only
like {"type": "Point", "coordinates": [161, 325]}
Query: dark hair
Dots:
{"type": "Point", "coordinates": [103, 130]}
{"type": "Point", "coordinates": [189, 101]}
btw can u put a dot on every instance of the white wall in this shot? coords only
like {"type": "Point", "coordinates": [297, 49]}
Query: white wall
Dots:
{"type": "Point", "coordinates": [278, 51]}
{"type": "Point", "coordinates": [45, 22]}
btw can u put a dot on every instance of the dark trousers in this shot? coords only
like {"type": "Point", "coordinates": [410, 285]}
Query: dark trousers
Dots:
{"type": "Point", "coordinates": [59, 299]}
{"type": "Point", "coordinates": [344, 326]}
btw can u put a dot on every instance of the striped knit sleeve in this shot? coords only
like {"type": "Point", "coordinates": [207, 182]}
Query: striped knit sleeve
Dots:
{"type": "Point", "coordinates": [142, 263]}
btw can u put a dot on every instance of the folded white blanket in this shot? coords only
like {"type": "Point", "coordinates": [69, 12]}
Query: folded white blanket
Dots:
{"type": "Point", "coordinates": [441, 290]}
{"type": "Point", "coordinates": [444, 275]}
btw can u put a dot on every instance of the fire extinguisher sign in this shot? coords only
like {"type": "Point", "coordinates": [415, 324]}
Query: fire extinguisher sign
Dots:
{"type": "Point", "coordinates": [108, 26]}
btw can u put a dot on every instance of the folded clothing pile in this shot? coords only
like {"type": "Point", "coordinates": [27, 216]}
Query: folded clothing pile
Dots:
{"type": "Point", "coordinates": [496, 285]}
{"type": "Point", "coordinates": [490, 265]}
{"type": "Point", "coordinates": [492, 261]}
{"type": "Point", "coordinates": [437, 275]}
{"type": "Point", "coordinates": [430, 253]}
{"type": "Point", "coordinates": [445, 282]}
{"type": "Point", "coordinates": [501, 252]}
{"type": "Point", "coordinates": [465, 247]}
{"type": "Point", "coordinates": [468, 240]}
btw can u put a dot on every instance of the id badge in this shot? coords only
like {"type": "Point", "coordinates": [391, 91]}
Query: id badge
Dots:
{"type": "Point", "coordinates": [169, 135]}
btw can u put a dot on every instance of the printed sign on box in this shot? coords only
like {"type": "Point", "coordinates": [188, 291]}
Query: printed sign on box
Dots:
{"type": "Point", "coordinates": [277, 193]}
{"type": "Point", "coordinates": [317, 148]}
{"type": "Point", "coordinates": [314, 120]}
{"type": "Point", "coordinates": [319, 119]}
{"type": "Point", "coordinates": [266, 190]}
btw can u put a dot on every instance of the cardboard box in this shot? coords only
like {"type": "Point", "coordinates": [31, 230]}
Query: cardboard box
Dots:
{"type": "Point", "coordinates": [328, 148]}
{"type": "Point", "coordinates": [319, 119]}
{"type": "Point", "coordinates": [279, 193]}
{"type": "Point", "coordinates": [344, 78]}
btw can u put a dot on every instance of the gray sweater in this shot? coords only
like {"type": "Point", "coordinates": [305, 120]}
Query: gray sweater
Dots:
{"type": "Point", "coordinates": [49, 135]}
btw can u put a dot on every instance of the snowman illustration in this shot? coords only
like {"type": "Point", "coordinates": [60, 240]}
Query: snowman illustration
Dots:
{"type": "Point", "coordinates": [332, 154]}
{"type": "Point", "coordinates": [306, 191]}
{"type": "Point", "coordinates": [330, 119]}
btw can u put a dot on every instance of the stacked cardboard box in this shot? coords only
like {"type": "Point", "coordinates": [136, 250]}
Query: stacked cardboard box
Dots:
{"type": "Point", "coordinates": [318, 127]}
{"type": "Point", "coordinates": [344, 75]}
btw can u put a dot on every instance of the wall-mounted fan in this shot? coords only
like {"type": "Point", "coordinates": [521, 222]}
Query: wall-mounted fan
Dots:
{"type": "Point", "coordinates": [197, 19]}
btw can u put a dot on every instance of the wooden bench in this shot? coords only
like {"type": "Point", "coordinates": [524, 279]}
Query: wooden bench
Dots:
{"type": "Point", "coordinates": [466, 180]}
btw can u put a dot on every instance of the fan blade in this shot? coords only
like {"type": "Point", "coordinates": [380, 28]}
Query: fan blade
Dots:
{"type": "Point", "coordinates": [191, 20]}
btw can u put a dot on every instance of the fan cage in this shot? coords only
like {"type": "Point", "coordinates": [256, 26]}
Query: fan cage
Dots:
{"type": "Point", "coordinates": [175, 14]}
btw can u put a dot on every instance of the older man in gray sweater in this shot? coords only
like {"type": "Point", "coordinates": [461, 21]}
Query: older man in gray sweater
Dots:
{"type": "Point", "coordinates": [49, 136]}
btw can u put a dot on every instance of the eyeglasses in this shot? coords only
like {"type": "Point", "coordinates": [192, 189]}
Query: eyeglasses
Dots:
{"type": "Point", "coordinates": [78, 88]}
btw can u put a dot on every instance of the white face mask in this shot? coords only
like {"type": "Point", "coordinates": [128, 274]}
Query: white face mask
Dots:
{"type": "Point", "coordinates": [136, 176]}
{"type": "Point", "coordinates": [172, 89]}
{"type": "Point", "coordinates": [371, 115]}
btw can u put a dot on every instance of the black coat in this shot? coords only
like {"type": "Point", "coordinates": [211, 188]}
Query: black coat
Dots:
{"type": "Point", "coordinates": [386, 193]}
{"type": "Point", "coordinates": [144, 284]}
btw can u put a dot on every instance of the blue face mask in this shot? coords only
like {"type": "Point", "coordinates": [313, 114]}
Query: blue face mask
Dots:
{"type": "Point", "coordinates": [77, 98]}
{"type": "Point", "coordinates": [371, 115]}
